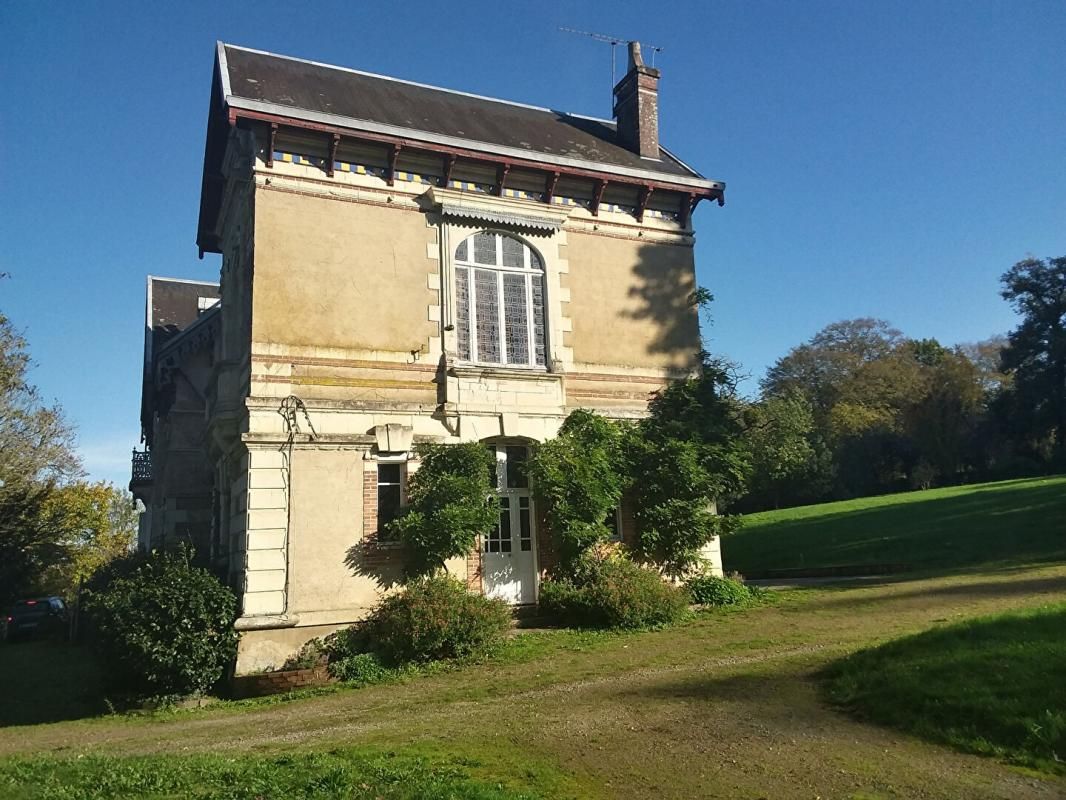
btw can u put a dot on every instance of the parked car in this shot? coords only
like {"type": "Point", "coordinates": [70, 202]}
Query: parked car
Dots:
{"type": "Point", "coordinates": [43, 616]}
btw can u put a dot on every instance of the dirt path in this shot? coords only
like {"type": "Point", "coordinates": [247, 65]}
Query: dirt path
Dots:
{"type": "Point", "coordinates": [725, 707]}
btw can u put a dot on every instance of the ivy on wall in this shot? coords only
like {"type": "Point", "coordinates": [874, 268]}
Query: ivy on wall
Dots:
{"type": "Point", "coordinates": [580, 476]}
{"type": "Point", "coordinates": [450, 503]}
{"type": "Point", "coordinates": [688, 456]}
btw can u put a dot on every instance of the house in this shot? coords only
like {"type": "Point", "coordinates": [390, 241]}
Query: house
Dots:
{"type": "Point", "coordinates": [401, 264]}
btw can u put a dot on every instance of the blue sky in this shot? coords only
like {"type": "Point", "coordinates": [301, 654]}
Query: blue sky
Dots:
{"type": "Point", "coordinates": [882, 159]}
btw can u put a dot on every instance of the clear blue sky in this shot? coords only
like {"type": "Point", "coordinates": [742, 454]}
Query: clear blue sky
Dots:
{"type": "Point", "coordinates": [882, 159]}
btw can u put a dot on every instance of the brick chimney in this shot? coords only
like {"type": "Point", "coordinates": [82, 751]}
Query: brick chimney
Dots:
{"type": "Point", "coordinates": [636, 106]}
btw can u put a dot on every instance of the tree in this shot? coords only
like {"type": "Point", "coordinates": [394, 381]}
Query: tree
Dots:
{"type": "Point", "coordinates": [1035, 355]}
{"type": "Point", "coordinates": [987, 358]}
{"type": "Point", "coordinates": [451, 502]}
{"type": "Point", "coordinates": [96, 523]}
{"type": "Point", "coordinates": [686, 458]}
{"type": "Point", "coordinates": [942, 419]}
{"type": "Point", "coordinates": [780, 432]}
{"type": "Point", "coordinates": [884, 407]}
{"type": "Point", "coordinates": [36, 455]}
{"type": "Point", "coordinates": [580, 476]}
{"type": "Point", "coordinates": [36, 442]}
{"type": "Point", "coordinates": [821, 367]}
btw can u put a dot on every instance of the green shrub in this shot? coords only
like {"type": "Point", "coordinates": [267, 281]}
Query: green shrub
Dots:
{"type": "Point", "coordinates": [431, 619]}
{"type": "Point", "coordinates": [710, 590]}
{"type": "Point", "coordinates": [308, 656]}
{"type": "Point", "coordinates": [613, 592]}
{"type": "Point", "coordinates": [164, 627]}
{"type": "Point", "coordinates": [363, 669]}
{"type": "Point", "coordinates": [344, 643]}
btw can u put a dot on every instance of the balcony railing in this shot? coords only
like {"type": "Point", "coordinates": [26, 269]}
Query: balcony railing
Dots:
{"type": "Point", "coordinates": [142, 467]}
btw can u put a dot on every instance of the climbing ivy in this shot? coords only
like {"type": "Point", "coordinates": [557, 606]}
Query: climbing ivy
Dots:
{"type": "Point", "coordinates": [579, 477]}
{"type": "Point", "coordinates": [451, 501]}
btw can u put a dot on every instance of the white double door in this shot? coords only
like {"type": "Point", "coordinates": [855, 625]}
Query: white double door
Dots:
{"type": "Point", "coordinates": [508, 558]}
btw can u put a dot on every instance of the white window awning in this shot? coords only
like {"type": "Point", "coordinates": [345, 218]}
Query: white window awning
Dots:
{"type": "Point", "coordinates": [497, 211]}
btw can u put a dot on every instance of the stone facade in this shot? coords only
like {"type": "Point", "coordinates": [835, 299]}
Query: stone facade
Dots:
{"type": "Point", "coordinates": [336, 349]}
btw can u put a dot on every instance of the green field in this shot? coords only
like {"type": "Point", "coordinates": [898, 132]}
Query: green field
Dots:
{"type": "Point", "coordinates": [1009, 522]}
{"type": "Point", "coordinates": [730, 704]}
{"type": "Point", "coordinates": [944, 683]}
{"type": "Point", "coordinates": [992, 685]}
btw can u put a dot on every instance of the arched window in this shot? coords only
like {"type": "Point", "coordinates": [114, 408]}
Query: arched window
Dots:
{"type": "Point", "coordinates": [499, 301]}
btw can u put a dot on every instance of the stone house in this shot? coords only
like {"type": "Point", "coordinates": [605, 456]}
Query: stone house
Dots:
{"type": "Point", "coordinates": [400, 264]}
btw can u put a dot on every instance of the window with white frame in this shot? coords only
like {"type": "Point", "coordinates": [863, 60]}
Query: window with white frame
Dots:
{"type": "Point", "coordinates": [499, 301]}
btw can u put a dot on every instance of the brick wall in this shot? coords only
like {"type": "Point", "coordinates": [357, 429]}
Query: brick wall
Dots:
{"type": "Point", "coordinates": [473, 568]}
{"type": "Point", "coordinates": [375, 554]}
{"type": "Point", "coordinates": [278, 682]}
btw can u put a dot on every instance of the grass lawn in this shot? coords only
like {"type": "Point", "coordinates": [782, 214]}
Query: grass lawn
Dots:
{"type": "Point", "coordinates": [1017, 522]}
{"type": "Point", "coordinates": [334, 773]}
{"type": "Point", "coordinates": [993, 685]}
{"type": "Point", "coordinates": [48, 681]}
{"type": "Point", "coordinates": [727, 705]}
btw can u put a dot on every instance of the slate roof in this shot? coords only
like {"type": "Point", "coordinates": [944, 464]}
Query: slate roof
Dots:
{"type": "Point", "coordinates": [174, 304]}
{"type": "Point", "coordinates": [298, 86]}
{"type": "Point", "coordinates": [262, 85]}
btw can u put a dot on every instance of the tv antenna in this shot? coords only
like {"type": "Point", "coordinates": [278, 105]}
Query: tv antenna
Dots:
{"type": "Point", "coordinates": [614, 41]}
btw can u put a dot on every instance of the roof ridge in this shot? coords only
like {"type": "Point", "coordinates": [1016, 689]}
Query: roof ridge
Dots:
{"type": "Point", "coordinates": [420, 85]}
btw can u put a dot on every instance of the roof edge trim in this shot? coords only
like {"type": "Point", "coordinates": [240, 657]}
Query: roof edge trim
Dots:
{"type": "Point", "coordinates": [453, 141]}
{"type": "Point", "coordinates": [223, 69]}
{"type": "Point", "coordinates": [181, 280]}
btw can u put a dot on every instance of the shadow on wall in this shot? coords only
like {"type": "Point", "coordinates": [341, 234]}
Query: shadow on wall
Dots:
{"type": "Point", "coordinates": [664, 282]}
{"type": "Point", "coordinates": [380, 562]}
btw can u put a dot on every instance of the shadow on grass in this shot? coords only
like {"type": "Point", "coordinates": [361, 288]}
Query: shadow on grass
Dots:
{"type": "Point", "coordinates": [49, 681]}
{"type": "Point", "coordinates": [1004, 589]}
{"type": "Point", "coordinates": [1012, 521]}
{"type": "Point", "coordinates": [992, 686]}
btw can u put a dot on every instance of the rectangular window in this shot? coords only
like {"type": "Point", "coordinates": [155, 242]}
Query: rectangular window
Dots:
{"type": "Point", "coordinates": [613, 521]}
{"type": "Point", "coordinates": [538, 320]}
{"type": "Point", "coordinates": [525, 525]}
{"type": "Point", "coordinates": [517, 455]}
{"type": "Point", "coordinates": [499, 540]}
{"type": "Point", "coordinates": [390, 497]}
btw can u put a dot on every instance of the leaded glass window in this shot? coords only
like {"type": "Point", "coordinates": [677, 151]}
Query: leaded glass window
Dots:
{"type": "Point", "coordinates": [462, 310]}
{"type": "Point", "coordinates": [499, 295]}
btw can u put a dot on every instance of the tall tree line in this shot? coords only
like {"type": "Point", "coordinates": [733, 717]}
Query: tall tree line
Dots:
{"type": "Point", "coordinates": [862, 409]}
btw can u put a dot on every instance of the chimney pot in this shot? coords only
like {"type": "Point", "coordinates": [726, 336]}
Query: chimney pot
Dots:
{"type": "Point", "coordinates": [636, 106]}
